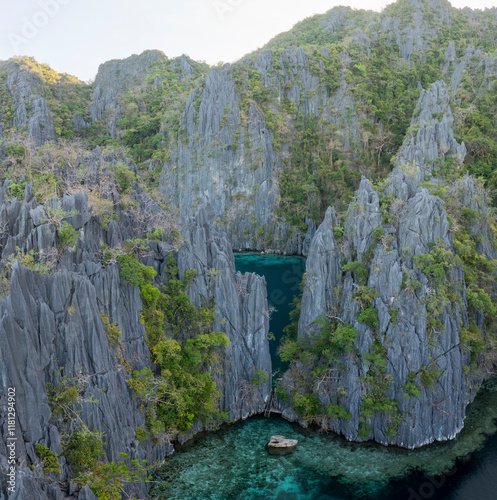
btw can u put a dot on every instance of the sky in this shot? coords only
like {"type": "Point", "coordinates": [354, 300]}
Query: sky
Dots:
{"type": "Point", "coordinates": [76, 36]}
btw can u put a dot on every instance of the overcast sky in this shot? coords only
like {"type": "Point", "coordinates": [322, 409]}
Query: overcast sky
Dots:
{"type": "Point", "coordinates": [75, 36]}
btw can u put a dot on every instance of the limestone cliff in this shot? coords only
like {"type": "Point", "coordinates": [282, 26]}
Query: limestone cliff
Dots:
{"type": "Point", "coordinates": [52, 328]}
{"type": "Point", "coordinates": [25, 98]}
{"type": "Point", "coordinates": [229, 158]}
{"type": "Point", "coordinates": [266, 144]}
{"type": "Point", "coordinates": [113, 79]}
{"type": "Point", "coordinates": [251, 155]}
{"type": "Point", "coordinates": [412, 368]}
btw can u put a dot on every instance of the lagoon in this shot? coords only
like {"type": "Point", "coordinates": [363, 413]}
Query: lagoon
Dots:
{"type": "Point", "coordinates": [233, 464]}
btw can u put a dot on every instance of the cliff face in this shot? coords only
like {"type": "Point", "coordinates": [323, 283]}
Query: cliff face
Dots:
{"type": "Point", "coordinates": [239, 129]}
{"type": "Point", "coordinates": [241, 312]}
{"type": "Point", "coordinates": [24, 102]}
{"type": "Point", "coordinates": [265, 145]}
{"type": "Point", "coordinates": [52, 323]}
{"type": "Point", "coordinates": [229, 159]}
{"type": "Point", "coordinates": [413, 38]}
{"type": "Point", "coordinates": [52, 331]}
{"type": "Point", "coordinates": [411, 371]}
{"type": "Point", "coordinates": [430, 141]}
{"type": "Point", "coordinates": [113, 79]}
{"type": "Point", "coordinates": [395, 330]}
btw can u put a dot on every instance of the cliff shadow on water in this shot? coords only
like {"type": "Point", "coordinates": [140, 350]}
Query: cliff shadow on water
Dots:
{"type": "Point", "coordinates": [283, 276]}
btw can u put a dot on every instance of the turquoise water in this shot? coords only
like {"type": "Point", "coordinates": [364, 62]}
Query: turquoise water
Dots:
{"type": "Point", "coordinates": [233, 464]}
{"type": "Point", "coordinates": [283, 276]}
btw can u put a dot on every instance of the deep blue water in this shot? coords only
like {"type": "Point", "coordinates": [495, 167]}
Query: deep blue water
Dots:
{"type": "Point", "coordinates": [233, 464]}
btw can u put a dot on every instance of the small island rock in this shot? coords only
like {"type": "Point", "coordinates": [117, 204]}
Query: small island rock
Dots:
{"type": "Point", "coordinates": [280, 445]}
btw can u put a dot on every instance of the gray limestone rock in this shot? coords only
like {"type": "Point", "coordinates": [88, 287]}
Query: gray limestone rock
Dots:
{"type": "Point", "coordinates": [414, 37]}
{"type": "Point", "coordinates": [336, 18]}
{"type": "Point", "coordinates": [30, 107]}
{"type": "Point", "coordinates": [322, 272]}
{"type": "Point", "coordinates": [429, 144]}
{"type": "Point", "coordinates": [51, 326]}
{"type": "Point", "coordinates": [417, 221]}
{"type": "Point", "coordinates": [241, 313]}
{"type": "Point", "coordinates": [115, 77]}
{"type": "Point", "coordinates": [227, 160]}
{"type": "Point", "coordinates": [403, 325]}
{"type": "Point", "coordinates": [404, 302]}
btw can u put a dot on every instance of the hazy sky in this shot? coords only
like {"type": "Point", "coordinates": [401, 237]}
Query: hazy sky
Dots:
{"type": "Point", "coordinates": [75, 36]}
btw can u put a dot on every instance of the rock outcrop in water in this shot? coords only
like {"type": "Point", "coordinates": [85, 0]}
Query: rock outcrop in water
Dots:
{"type": "Point", "coordinates": [413, 368]}
{"type": "Point", "coordinates": [51, 330]}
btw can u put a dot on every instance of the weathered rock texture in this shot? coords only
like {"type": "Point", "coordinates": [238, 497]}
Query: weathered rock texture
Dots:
{"type": "Point", "coordinates": [227, 144]}
{"type": "Point", "coordinates": [50, 326]}
{"type": "Point", "coordinates": [241, 312]}
{"type": "Point", "coordinates": [115, 77]}
{"type": "Point", "coordinates": [223, 147]}
{"type": "Point", "coordinates": [414, 38]}
{"type": "Point", "coordinates": [227, 160]}
{"type": "Point", "coordinates": [417, 220]}
{"type": "Point", "coordinates": [230, 163]}
{"type": "Point", "coordinates": [429, 142]}
{"type": "Point", "coordinates": [29, 107]}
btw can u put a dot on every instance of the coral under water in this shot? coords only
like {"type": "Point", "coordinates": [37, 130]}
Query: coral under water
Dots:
{"type": "Point", "coordinates": [232, 463]}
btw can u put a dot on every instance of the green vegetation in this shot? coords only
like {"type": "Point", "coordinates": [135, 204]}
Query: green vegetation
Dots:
{"type": "Point", "coordinates": [261, 378]}
{"type": "Point", "coordinates": [437, 266]}
{"type": "Point", "coordinates": [369, 316]}
{"type": "Point", "coordinates": [125, 177]}
{"type": "Point", "coordinates": [49, 458]}
{"type": "Point", "coordinates": [476, 123]}
{"type": "Point", "coordinates": [328, 341]}
{"type": "Point", "coordinates": [148, 108]}
{"type": "Point", "coordinates": [358, 269]}
{"type": "Point", "coordinates": [132, 271]}
{"type": "Point", "coordinates": [62, 397]}
{"type": "Point", "coordinates": [334, 339]}
{"type": "Point", "coordinates": [16, 151]}
{"type": "Point", "coordinates": [17, 188]}
{"type": "Point", "coordinates": [309, 32]}
{"type": "Point", "coordinates": [29, 259]}
{"type": "Point", "coordinates": [113, 332]}
{"type": "Point", "coordinates": [350, 121]}
{"type": "Point", "coordinates": [411, 388]}
{"type": "Point", "coordinates": [83, 449]}
{"type": "Point", "coordinates": [186, 350]}
{"type": "Point", "coordinates": [319, 175]}
{"type": "Point", "coordinates": [65, 95]}
{"type": "Point", "coordinates": [428, 375]}
{"type": "Point", "coordinates": [66, 236]}
{"type": "Point", "coordinates": [107, 480]}
{"type": "Point", "coordinates": [367, 313]}
{"type": "Point", "coordinates": [292, 328]}
{"type": "Point", "coordinates": [376, 382]}
{"type": "Point", "coordinates": [141, 434]}
{"type": "Point", "coordinates": [311, 360]}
